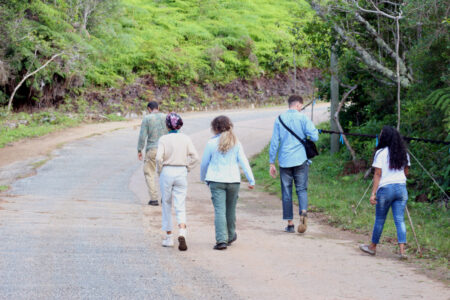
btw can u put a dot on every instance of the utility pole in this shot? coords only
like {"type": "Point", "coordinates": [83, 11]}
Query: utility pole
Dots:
{"type": "Point", "coordinates": [334, 87]}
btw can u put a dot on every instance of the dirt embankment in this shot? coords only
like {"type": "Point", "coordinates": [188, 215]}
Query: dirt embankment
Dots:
{"type": "Point", "coordinates": [258, 91]}
{"type": "Point", "coordinates": [197, 96]}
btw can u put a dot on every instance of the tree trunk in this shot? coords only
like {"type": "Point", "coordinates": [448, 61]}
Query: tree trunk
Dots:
{"type": "Point", "coordinates": [334, 87]}
{"type": "Point", "coordinates": [336, 118]}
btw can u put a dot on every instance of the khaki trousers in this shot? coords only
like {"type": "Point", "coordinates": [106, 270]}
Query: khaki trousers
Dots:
{"type": "Point", "coordinates": [150, 173]}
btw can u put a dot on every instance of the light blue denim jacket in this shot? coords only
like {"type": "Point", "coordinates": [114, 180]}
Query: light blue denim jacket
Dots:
{"type": "Point", "coordinates": [220, 167]}
{"type": "Point", "coordinates": [291, 152]}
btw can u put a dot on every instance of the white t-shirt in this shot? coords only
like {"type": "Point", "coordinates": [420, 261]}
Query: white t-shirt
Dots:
{"type": "Point", "coordinates": [388, 176]}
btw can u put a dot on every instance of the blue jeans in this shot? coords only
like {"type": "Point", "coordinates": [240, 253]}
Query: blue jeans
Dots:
{"type": "Point", "coordinates": [394, 195]}
{"type": "Point", "coordinates": [298, 175]}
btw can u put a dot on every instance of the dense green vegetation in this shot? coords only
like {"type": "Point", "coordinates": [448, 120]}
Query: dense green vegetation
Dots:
{"type": "Point", "coordinates": [335, 195]}
{"type": "Point", "coordinates": [365, 59]}
{"type": "Point", "coordinates": [105, 43]}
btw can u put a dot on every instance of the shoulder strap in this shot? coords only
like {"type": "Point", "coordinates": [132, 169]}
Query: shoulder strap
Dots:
{"type": "Point", "coordinates": [293, 133]}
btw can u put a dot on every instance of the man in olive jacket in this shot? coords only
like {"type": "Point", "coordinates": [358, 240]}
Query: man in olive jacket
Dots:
{"type": "Point", "coordinates": [152, 128]}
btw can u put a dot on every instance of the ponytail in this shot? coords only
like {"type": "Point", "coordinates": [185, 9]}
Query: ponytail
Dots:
{"type": "Point", "coordinates": [223, 126]}
{"type": "Point", "coordinates": [227, 141]}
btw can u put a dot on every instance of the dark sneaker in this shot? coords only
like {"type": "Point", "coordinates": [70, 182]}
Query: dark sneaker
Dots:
{"type": "Point", "coordinates": [220, 246]}
{"type": "Point", "coordinates": [182, 243]}
{"type": "Point", "coordinates": [303, 223]}
{"type": "Point", "coordinates": [153, 202]}
{"type": "Point", "coordinates": [290, 228]}
{"type": "Point", "coordinates": [233, 239]}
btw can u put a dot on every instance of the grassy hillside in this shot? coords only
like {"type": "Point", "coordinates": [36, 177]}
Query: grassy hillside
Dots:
{"type": "Point", "coordinates": [175, 42]}
{"type": "Point", "coordinates": [200, 41]}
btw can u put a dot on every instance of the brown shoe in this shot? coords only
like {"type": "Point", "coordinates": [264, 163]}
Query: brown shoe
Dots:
{"type": "Point", "coordinates": [182, 243]}
{"type": "Point", "coordinates": [303, 223]}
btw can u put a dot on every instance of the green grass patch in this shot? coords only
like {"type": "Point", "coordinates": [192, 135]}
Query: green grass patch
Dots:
{"type": "Point", "coordinates": [14, 127]}
{"type": "Point", "coordinates": [4, 188]}
{"type": "Point", "coordinates": [114, 117]}
{"type": "Point", "coordinates": [335, 196]}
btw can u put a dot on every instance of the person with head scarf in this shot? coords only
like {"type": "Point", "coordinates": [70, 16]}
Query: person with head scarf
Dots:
{"type": "Point", "coordinates": [176, 156]}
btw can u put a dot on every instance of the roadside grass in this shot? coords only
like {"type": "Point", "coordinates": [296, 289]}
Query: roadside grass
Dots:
{"type": "Point", "coordinates": [17, 126]}
{"type": "Point", "coordinates": [4, 188]}
{"type": "Point", "coordinates": [335, 196]}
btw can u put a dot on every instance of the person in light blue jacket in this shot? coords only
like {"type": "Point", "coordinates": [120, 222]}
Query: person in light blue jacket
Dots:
{"type": "Point", "coordinates": [294, 165]}
{"type": "Point", "coordinates": [220, 170]}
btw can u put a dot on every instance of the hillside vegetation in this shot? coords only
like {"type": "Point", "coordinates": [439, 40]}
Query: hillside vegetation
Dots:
{"type": "Point", "coordinates": [107, 43]}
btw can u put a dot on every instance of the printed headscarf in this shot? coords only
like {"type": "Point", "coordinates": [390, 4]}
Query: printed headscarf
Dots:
{"type": "Point", "coordinates": [174, 121]}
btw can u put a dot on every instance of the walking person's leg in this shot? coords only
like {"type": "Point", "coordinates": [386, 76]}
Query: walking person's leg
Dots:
{"type": "Point", "coordinates": [231, 201]}
{"type": "Point", "coordinates": [384, 201]}
{"type": "Point", "coordinates": [150, 175]}
{"type": "Point", "coordinates": [179, 203]}
{"type": "Point", "coordinates": [301, 188]}
{"type": "Point", "coordinates": [218, 197]}
{"type": "Point", "coordinates": [166, 183]}
{"type": "Point", "coordinates": [398, 212]}
{"type": "Point", "coordinates": [286, 177]}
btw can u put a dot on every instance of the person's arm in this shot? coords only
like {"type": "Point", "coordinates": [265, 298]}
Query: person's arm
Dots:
{"type": "Point", "coordinates": [159, 156]}
{"type": "Point", "coordinates": [311, 130]}
{"type": "Point", "coordinates": [207, 153]}
{"type": "Point", "coordinates": [192, 155]}
{"type": "Point", "coordinates": [376, 182]}
{"type": "Point", "coordinates": [406, 170]}
{"type": "Point", "coordinates": [273, 150]}
{"type": "Point", "coordinates": [243, 162]}
{"type": "Point", "coordinates": [142, 137]}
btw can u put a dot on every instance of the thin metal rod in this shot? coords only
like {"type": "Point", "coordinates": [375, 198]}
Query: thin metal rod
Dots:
{"type": "Point", "coordinates": [370, 184]}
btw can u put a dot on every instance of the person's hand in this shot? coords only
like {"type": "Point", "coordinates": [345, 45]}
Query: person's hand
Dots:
{"type": "Point", "coordinates": [251, 187]}
{"type": "Point", "coordinates": [140, 155]}
{"type": "Point", "coordinates": [273, 171]}
{"type": "Point", "coordinates": [373, 199]}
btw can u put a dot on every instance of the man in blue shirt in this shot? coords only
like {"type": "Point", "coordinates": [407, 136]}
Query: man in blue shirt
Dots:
{"type": "Point", "coordinates": [294, 164]}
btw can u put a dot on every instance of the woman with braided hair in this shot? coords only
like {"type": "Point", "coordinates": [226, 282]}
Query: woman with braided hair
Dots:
{"type": "Point", "coordinates": [176, 156]}
{"type": "Point", "coordinates": [391, 164]}
{"type": "Point", "coordinates": [220, 170]}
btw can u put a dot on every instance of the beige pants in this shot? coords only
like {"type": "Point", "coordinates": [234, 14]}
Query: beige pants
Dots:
{"type": "Point", "coordinates": [150, 173]}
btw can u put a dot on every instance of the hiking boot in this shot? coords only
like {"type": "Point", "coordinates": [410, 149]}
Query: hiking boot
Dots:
{"type": "Point", "coordinates": [303, 223]}
{"type": "Point", "coordinates": [182, 246]}
{"type": "Point", "coordinates": [153, 202]}
{"type": "Point", "coordinates": [168, 241]}
{"type": "Point", "coordinates": [220, 246]}
{"type": "Point", "coordinates": [233, 239]}
{"type": "Point", "coordinates": [290, 228]}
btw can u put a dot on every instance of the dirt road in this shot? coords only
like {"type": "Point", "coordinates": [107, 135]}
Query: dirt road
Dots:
{"type": "Point", "coordinates": [80, 228]}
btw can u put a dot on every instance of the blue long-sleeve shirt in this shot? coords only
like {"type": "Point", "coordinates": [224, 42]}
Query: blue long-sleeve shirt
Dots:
{"type": "Point", "coordinates": [290, 150]}
{"type": "Point", "coordinates": [224, 167]}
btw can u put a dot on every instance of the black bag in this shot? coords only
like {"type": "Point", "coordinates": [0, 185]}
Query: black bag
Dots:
{"type": "Point", "coordinates": [310, 147]}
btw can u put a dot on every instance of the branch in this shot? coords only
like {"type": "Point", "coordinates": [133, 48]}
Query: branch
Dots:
{"type": "Point", "coordinates": [383, 44]}
{"type": "Point", "coordinates": [336, 119]}
{"type": "Point", "coordinates": [365, 55]}
{"type": "Point", "coordinates": [28, 76]}
{"type": "Point", "coordinates": [377, 11]}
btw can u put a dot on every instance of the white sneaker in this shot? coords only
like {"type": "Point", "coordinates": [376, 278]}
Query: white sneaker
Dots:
{"type": "Point", "coordinates": [168, 241]}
